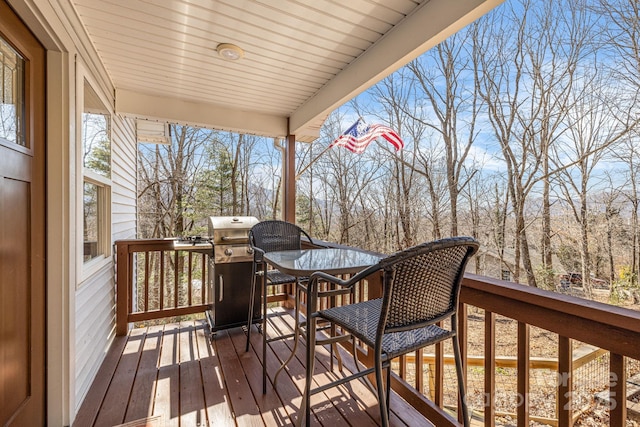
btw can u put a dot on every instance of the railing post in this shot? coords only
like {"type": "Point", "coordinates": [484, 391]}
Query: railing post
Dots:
{"type": "Point", "coordinates": [617, 391]}
{"type": "Point", "coordinates": [565, 382]}
{"type": "Point", "coordinates": [523, 375]}
{"type": "Point", "coordinates": [123, 286]}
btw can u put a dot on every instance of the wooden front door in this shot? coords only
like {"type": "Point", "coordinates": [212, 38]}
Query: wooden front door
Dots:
{"type": "Point", "coordinates": [22, 224]}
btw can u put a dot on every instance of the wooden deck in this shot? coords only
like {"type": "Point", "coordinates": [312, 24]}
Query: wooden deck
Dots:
{"type": "Point", "coordinates": [174, 375]}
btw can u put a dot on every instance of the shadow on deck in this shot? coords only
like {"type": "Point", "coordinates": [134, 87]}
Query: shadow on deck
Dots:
{"type": "Point", "coordinates": [174, 375]}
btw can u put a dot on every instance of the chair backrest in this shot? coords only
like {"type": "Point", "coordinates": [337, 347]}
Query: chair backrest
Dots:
{"type": "Point", "coordinates": [422, 283]}
{"type": "Point", "coordinates": [274, 235]}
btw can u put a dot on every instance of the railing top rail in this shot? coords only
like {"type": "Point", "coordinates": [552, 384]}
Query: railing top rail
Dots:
{"type": "Point", "coordinates": [579, 307]}
{"type": "Point", "coordinates": [606, 326]}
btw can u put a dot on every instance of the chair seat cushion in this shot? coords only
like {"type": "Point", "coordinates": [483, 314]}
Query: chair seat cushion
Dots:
{"type": "Point", "coordinates": [275, 277]}
{"type": "Point", "coordinates": [362, 320]}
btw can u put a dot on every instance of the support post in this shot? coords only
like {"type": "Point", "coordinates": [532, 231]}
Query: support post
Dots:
{"type": "Point", "coordinates": [289, 173]}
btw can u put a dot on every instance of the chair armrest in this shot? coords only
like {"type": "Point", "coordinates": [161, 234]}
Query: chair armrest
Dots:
{"type": "Point", "coordinates": [321, 275]}
{"type": "Point", "coordinates": [258, 254]}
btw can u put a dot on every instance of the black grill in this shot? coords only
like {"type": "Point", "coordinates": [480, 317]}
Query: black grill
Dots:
{"type": "Point", "coordinates": [230, 272]}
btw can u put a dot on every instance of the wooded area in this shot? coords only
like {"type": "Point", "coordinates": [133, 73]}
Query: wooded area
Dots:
{"type": "Point", "coordinates": [521, 130]}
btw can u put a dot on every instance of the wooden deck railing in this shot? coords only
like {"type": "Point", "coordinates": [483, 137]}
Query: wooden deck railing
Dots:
{"type": "Point", "coordinates": [149, 287]}
{"type": "Point", "coordinates": [154, 281]}
{"type": "Point", "coordinates": [607, 327]}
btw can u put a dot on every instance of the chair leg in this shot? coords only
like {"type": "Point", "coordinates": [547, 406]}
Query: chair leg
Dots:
{"type": "Point", "coordinates": [461, 387]}
{"type": "Point", "coordinates": [382, 398]}
{"type": "Point", "coordinates": [334, 352]}
{"type": "Point", "coordinates": [264, 332]}
{"type": "Point", "coordinates": [355, 352]}
{"type": "Point", "coordinates": [365, 379]}
{"type": "Point", "coordinates": [305, 408]}
{"type": "Point", "coordinates": [296, 335]}
{"type": "Point", "coordinates": [251, 302]}
{"type": "Point", "coordinates": [388, 389]}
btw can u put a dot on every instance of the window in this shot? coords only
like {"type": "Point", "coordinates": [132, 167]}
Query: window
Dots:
{"type": "Point", "coordinates": [11, 95]}
{"type": "Point", "coordinates": [506, 275]}
{"type": "Point", "coordinates": [96, 175]}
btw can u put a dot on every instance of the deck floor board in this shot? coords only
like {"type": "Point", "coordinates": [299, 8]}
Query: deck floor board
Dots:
{"type": "Point", "coordinates": [141, 401]}
{"type": "Point", "coordinates": [181, 376]}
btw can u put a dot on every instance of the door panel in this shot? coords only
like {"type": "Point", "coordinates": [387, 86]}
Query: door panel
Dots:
{"type": "Point", "coordinates": [14, 294]}
{"type": "Point", "coordinates": [22, 225]}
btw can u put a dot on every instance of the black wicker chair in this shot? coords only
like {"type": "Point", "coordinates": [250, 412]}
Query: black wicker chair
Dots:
{"type": "Point", "coordinates": [421, 288]}
{"type": "Point", "coordinates": [270, 236]}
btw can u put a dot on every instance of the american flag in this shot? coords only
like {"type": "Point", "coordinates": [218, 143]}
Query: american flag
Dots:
{"type": "Point", "coordinates": [360, 135]}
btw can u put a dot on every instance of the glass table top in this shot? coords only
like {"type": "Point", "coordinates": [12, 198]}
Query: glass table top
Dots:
{"type": "Point", "coordinates": [332, 261]}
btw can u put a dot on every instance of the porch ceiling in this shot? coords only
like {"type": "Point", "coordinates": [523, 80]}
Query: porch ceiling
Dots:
{"type": "Point", "coordinates": [303, 58]}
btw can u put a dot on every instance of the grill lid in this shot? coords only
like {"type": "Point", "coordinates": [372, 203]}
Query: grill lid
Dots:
{"type": "Point", "coordinates": [227, 230]}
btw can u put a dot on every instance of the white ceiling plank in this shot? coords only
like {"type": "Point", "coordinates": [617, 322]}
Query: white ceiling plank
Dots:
{"type": "Point", "coordinates": [189, 57]}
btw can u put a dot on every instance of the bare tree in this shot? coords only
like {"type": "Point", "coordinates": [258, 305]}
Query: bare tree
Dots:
{"type": "Point", "coordinates": [620, 36]}
{"type": "Point", "coordinates": [559, 40]}
{"type": "Point", "coordinates": [444, 76]}
{"type": "Point", "coordinates": [395, 95]}
{"type": "Point", "coordinates": [345, 183]}
{"type": "Point", "coordinates": [629, 154]}
{"type": "Point", "coordinates": [527, 73]}
{"type": "Point", "coordinates": [590, 130]}
{"type": "Point", "coordinates": [166, 190]}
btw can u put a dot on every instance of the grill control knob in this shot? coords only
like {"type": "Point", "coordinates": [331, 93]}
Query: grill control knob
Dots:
{"type": "Point", "coordinates": [228, 252]}
{"type": "Point", "coordinates": [249, 250]}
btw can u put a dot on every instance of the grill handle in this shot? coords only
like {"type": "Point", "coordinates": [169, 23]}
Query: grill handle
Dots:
{"type": "Point", "coordinates": [234, 238]}
{"type": "Point", "coordinates": [221, 280]}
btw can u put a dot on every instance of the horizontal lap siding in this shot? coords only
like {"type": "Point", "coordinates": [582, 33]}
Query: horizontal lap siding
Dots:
{"type": "Point", "coordinates": [95, 327]}
{"type": "Point", "coordinates": [95, 298]}
{"type": "Point", "coordinates": [124, 193]}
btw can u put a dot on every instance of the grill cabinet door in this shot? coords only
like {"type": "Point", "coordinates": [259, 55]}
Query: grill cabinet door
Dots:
{"type": "Point", "coordinates": [230, 296]}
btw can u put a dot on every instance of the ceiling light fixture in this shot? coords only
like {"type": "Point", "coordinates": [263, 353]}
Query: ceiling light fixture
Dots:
{"type": "Point", "coordinates": [229, 51]}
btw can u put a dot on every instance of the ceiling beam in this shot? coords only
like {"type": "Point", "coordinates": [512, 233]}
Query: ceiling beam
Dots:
{"type": "Point", "coordinates": [173, 110]}
{"type": "Point", "coordinates": [427, 26]}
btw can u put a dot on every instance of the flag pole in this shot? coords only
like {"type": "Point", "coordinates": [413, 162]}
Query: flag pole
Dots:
{"type": "Point", "coordinates": [312, 162]}
{"type": "Point", "coordinates": [325, 150]}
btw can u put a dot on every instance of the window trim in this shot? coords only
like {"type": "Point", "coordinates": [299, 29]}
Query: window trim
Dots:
{"type": "Point", "coordinates": [87, 269]}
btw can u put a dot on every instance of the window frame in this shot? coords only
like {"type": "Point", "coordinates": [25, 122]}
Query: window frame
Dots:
{"type": "Point", "coordinates": [87, 269]}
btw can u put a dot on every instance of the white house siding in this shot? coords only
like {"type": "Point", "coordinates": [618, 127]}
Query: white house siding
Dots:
{"type": "Point", "coordinates": [95, 328]}
{"type": "Point", "coordinates": [95, 298]}
{"type": "Point", "coordinates": [124, 192]}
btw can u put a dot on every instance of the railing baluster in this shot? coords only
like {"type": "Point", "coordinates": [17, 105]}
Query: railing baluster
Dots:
{"type": "Point", "coordinates": [402, 367]}
{"type": "Point", "coordinates": [523, 375]}
{"type": "Point", "coordinates": [189, 278]}
{"type": "Point", "coordinates": [438, 393]}
{"type": "Point", "coordinates": [176, 277]}
{"type": "Point", "coordinates": [489, 369]}
{"type": "Point", "coordinates": [419, 368]}
{"type": "Point", "coordinates": [161, 280]}
{"type": "Point", "coordinates": [146, 280]}
{"type": "Point", "coordinates": [205, 280]}
{"type": "Point", "coordinates": [462, 338]}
